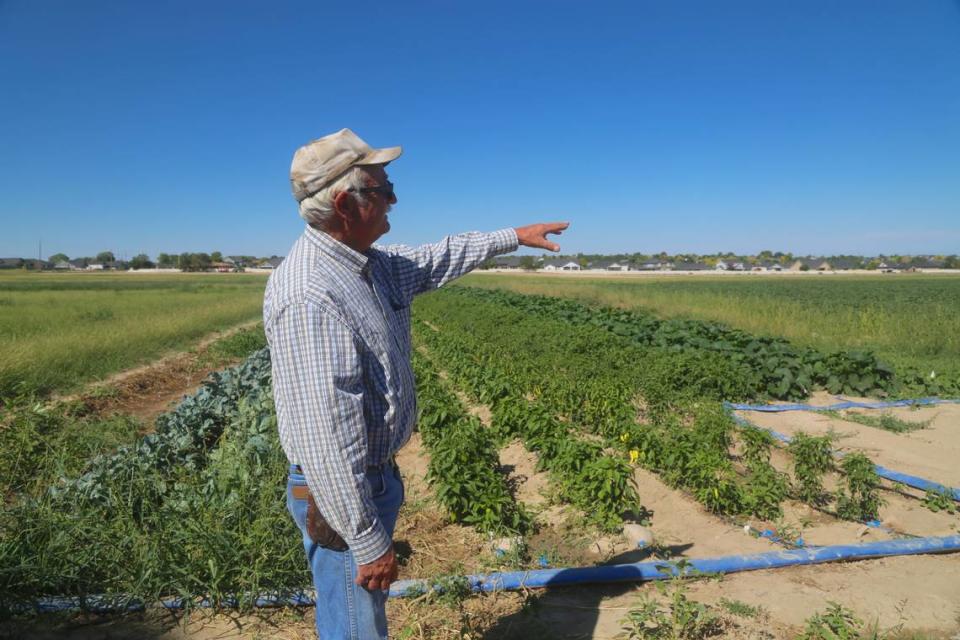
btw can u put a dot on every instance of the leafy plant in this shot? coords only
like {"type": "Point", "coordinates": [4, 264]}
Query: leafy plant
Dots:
{"type": "Point", "coordinates": [679, 618]}
{"type": "Point", "coordinates": [939, 501]}
{"type": "Point", "coordinates": [861, 500]}
{"type": "Point", "coordinates": [812, 457]}
{"type": "Point", "coordinates": [885, 421]}
{"type": "Point", "coordinates": [835, 623]}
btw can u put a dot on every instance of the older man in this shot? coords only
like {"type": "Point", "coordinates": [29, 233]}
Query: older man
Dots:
{"type": "Point", "coordinates": [337, 317]}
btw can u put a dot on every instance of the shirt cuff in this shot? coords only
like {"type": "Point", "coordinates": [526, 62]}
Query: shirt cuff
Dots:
{"type": "Point", "coordinates": [371, 544]}
{"type": "Point", "coordinates": [505, 241]}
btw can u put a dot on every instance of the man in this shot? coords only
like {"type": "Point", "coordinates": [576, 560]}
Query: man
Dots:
{"type": "Point", "coordinates": [337, 317]}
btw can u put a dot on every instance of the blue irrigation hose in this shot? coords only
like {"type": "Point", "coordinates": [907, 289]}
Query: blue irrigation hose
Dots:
{"type": "Point", "coordinates": [657, 570]}
{"type": "Point", "coordinates": [541, 578]}
{"type": "Point", "coordinates": [895, 476]}
{"type": "Point", "coordinates": [849, 404]}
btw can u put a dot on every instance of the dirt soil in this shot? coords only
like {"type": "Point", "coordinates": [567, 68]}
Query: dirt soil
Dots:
{"type": "Point", "coordinates": [147, 391]}
{"type": "Point", "coordinates": [920, 592]}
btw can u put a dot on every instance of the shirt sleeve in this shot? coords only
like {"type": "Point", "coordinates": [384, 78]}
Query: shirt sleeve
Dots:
{"type": "Point", "coordinates": [318, 386]}
{"type": "Point", "coordinates": [424, 268]}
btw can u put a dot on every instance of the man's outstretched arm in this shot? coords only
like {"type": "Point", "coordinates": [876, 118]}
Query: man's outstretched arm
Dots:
{"type": "Point", "coordinates": [424, 268]}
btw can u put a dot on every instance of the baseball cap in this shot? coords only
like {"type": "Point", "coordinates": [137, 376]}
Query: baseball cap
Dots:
{"type": "Point", "coordinates": [317, 164]}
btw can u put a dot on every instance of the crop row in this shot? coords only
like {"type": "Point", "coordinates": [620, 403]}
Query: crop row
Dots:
{"type": "Point", "coordinates": [773, 367]}
{"type": "Point", "coordinates": [658, 407]}
{"type": "Point", "coordinates": [195, 509]}
{"type": "Point", "coordinates": [464, 464]}
{"type": "Point", "coordinates": [584, 474]}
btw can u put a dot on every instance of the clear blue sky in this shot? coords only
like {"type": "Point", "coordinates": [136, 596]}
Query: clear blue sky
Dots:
{"type": "Point", "coordinates": [820, 127]}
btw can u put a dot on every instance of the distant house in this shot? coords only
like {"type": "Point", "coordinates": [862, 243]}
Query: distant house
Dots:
{"type": "Point", "coordinates": [722, 266]}
{"type": "Point", "coordinates": [506, 262]}
{"type": "Point", "coordinates": [62, 265]}
{"type": "Point", "coordinates": [691, 266]}
{"type": "Point", "coordinates": [94, 266]}
{"type": "Point", "coordinates": [223, 267]}
{"type": "Point", "coordinates": [847, 264]}
{"type": "Point", "coordinates": [810, 264]}
{"type": "Point", "coordinates": [11, 263]}
{"type": "Point", "coordinates": [561, 265]}
{"type": "Point", "coordinates": [619, 266]}
{"type": "Point", "coordinates": [78, 264]}
{"type": "Point", "coordinates": [271, 263]}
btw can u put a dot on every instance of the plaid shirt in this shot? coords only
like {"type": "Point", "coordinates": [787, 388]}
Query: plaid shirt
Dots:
{"type": "Point", "coordinates": [338, 324]}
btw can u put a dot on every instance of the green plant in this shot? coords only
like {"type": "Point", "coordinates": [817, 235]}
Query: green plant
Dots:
{"type": "Point", "coordinates": [835, 623]}
{"type": "Point", "coordinates": [885, 421]}
{"type": "Point", "coordinates": [812, 457]}
{"type": "Point", "coordinates": [861, 500]}
{"type": "Point", "coordinates": [941, 500]}
{"type": "Point", "coordinates": [678, 618]}
{"type": "Point", "coordinates": [741, 609]}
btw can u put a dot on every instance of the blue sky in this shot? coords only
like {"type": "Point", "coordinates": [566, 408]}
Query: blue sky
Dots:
{"type": "Point", "coordinates": [811, 127]}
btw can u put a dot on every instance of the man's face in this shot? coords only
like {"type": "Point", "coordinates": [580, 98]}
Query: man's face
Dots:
{"type": "Point", "coordinates": [373, 220]}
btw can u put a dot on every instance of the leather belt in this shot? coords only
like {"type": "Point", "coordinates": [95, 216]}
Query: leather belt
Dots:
{"type": "Point", "coordinates": [390, 462]}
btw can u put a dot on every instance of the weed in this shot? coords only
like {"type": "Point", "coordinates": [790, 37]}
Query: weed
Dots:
{"type": "Point", "coordinates": [741, 609]}
{"type": "Point", "coordinates": [939, 500]}
{"type": "Point", "coordinates": [839, 623]}
{"type": "Point", "coordinates": [885, 421]}
{"type": "Point", "coordinates": [679, 618]}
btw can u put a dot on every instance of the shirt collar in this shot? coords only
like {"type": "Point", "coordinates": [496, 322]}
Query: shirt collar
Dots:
{"type": "Point", "coordinates": [353, 260]}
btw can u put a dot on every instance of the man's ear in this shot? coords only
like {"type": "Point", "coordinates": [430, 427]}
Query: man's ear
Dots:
{"type": "Point", "coordinates": [344, 209]}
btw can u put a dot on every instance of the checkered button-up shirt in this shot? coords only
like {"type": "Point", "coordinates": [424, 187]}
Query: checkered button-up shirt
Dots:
{"type": "Point", "coordinates": [338, 325]}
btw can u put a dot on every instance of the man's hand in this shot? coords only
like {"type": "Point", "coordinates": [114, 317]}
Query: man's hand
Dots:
{"type": "Point", "coordinates": [379, 573]}
{"type": "Point", "coordinates": [535, 235]}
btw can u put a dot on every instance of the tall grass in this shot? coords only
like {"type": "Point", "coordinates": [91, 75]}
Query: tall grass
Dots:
{"type": "Point", "coordinates": [907, 320]}
{"type": "Point", "coordinates": [57, 331]}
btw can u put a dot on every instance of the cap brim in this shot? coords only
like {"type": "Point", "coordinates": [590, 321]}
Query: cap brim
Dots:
{"type": "Point", "coordinates": [381, 156]}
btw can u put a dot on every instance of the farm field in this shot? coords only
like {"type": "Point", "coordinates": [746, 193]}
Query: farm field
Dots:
{"type": "Point", "coordinates": [550, 433]}
{"type": "Point", "coordinates": [58, 331]}
{"type": "Point", "coordinates": [910, 321]}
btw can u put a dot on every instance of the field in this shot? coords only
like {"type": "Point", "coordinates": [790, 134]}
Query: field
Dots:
{"type": "Point", "coordinates": [908, 320]}
{"type": "Point", "coordinates": [550, 433]}
{"type": "Point", "coordinates": [59, 331]}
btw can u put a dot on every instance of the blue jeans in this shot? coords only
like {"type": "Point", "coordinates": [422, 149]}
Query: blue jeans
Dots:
{"type": "Point", "coordinates": [346, 610]}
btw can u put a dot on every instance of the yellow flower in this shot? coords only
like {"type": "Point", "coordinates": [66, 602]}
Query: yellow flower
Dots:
{"type": "Point", "coordinates": [623, 437]}
{"type": "Point", "coordinates": [634, 454]}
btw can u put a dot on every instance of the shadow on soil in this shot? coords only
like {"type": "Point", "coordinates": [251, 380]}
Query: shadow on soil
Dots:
{"type": "Point", "coordinates": [574, 611]}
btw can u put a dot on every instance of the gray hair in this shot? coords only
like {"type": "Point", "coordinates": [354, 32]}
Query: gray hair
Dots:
{"type": "Point", "coordinates": [317, 210]}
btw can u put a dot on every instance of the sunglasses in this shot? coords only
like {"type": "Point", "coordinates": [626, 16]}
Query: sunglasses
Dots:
{"type": "Point", "coordinates": [385, 190]}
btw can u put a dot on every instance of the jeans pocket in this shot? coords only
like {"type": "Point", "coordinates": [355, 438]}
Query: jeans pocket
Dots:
{"type": "Point", "coordinates": [378, 484]}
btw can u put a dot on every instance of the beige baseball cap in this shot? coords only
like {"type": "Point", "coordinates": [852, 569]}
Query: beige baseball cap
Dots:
{"type": "Point", "coordinates": [319, 163]}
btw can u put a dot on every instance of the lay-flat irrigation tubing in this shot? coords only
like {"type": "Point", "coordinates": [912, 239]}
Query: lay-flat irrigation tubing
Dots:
{"type": "Point", "coordinates": [542, 578]}
{"type": "Point", "coordinates": [895, 476]}
{"type": "Point", "coordinates": [848, 404]}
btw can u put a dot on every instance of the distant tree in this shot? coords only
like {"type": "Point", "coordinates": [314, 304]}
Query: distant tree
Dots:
{"type": "Point", "coordinates": [216, 256]}
{"type": "Point", "coordinates": [105, 257]}
{"type": "Point", "coordinates": [527, 263]}
{"type": "Point", "coordinates": [194, 261]}
{"type": "Point", "coordinates": [873, 265]}
{"type": "Point", "coordinates": [804, 267]}
{"type": "Point", "coordinates": [951, 262]}
{"type": "Point", "coordinates": [487, 264]}
{"type": "Point", "coordinates": [141, 261]}
{"type": "Point", "coordinates": [167, 261]}
{"type": "Point", "coordinates": [58, 257]}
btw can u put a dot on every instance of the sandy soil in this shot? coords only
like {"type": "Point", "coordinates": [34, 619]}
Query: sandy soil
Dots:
{"type": "Point", "coordinates": [920, 592]}
{"type": "Point", "coordinates": [930, 453]}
